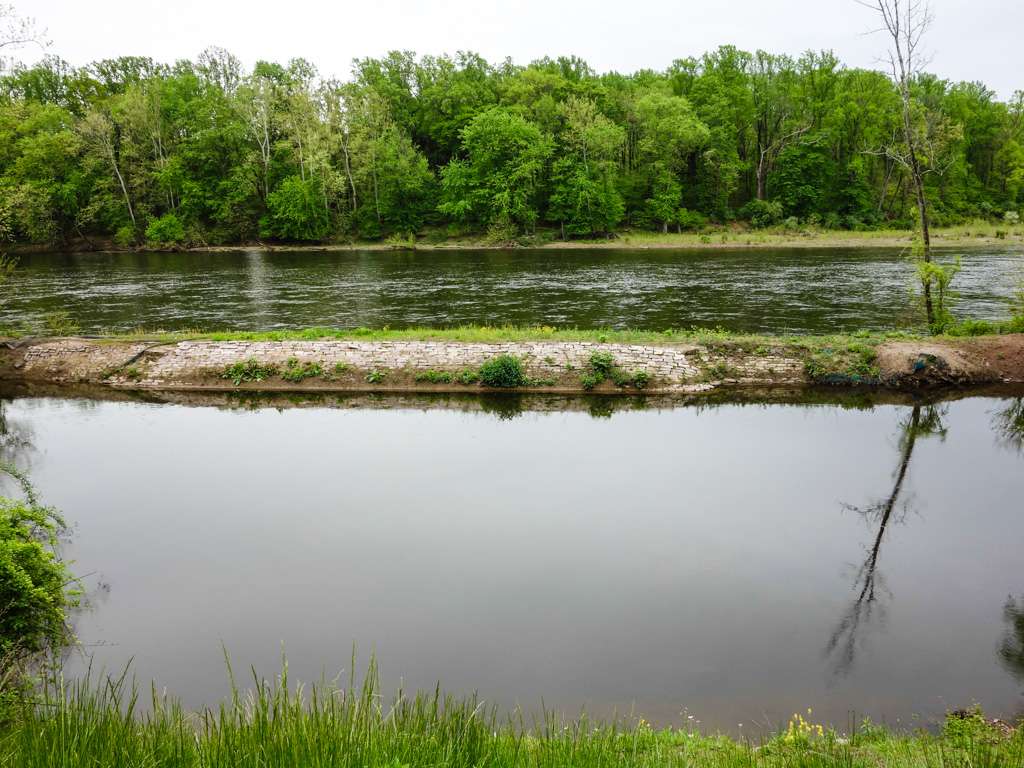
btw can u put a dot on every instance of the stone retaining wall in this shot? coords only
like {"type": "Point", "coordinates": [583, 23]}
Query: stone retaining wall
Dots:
{"type": "Point", "coordinates": [190, 364]}
{"type": "Point", "coordinates": [552, 365]}
{"type": "Point", "coordinates": [671, 363]}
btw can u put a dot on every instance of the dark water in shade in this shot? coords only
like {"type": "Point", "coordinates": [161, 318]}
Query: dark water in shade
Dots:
{"type": "Point", "coordinates": [764, 290]}
{"type": "Point", "coordinates": [742, 562]}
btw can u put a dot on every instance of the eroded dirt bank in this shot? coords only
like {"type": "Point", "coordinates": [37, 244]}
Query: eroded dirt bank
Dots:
{"type": "Point", "coordinates": [551, 366]}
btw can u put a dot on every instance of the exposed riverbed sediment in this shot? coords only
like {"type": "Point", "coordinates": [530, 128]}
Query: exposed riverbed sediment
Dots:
{"type": "Point", "coordinates": [551, 366]}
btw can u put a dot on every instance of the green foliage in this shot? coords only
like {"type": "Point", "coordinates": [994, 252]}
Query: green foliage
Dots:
{"type": "Point", "coordinates": [936, 278]}
{"type": "Point", "coordinates": [166, 230]}
{"type": "Point", "coordinates": [124, 237]}
{"type": "Point", "coordinates": [691, 220]}
{"type": "Point", "coordinates": [497, 182]}
{"type": "Point", "coordinates": [467, 377]}
{"type": "Point", "coordinates": [376, 376]}
{"type": "Point", "coordinates": [60, 323]}
{"type": "Point", "coordinates": [249, 370]}
{"type": "Point", "coordinates": [503, 371]}
{"type": "Point", "coordinates": [280, 723]}
{"type": "Point", "coordinates": [762, 213]}
{"type": "Point", "coordinates": [37, 589]}
{"type": "Point", "coordinates": [108, 150]}
{"type": "Point", "coordinates": [296, 210]}
{"type": "Point", "coordinates": [35, 583]}
{"type": "Point", "coordinates": [7, 266]}
{"type": "Point", "coordinates": [602, 367]}
{"type": "Point", "coordinates": [965, 728]}
{"type": "Point", "coordinates": [434, 377]}
{"type": "Point", "coordinates": [852, 362]}
{"type": "Point", "coordinates": [295, 371]}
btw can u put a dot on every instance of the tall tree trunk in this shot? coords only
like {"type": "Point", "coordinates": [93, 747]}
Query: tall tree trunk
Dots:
{"type": "Point", "coordinates": [922, 202]}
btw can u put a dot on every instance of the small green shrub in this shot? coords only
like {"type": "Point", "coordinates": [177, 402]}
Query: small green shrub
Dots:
{"type": "Point", "coordinates": [60, 323]}
{"type": "Point", "coordinates": [602, 364]}
{"type": "Point", "coordinates": [295, 211]}
{"type": "Point", "coordinates": [718, 372]}
{"type": "Point", "coordinates": [968, 727]}
{"type": "Point", "coordinates": [972, 328]}
{"type": "Point", "coordinates": [762, 213]}
{"type": "Point", "coordinates": [691, 220]}
{"type": "Point", "coordinates": [124, 237]}
{"type": "Point", "coordinates": [249, 370]}
{"type": "Point", "coordinates": [400, 242]}
{"type": "Point", "coordinates": [132, 373]}
{"type": "Point", "coordinates": [468, 376]}
{"type": "Point", "coordinates": [294, 371]}
{"type": "Point", "coordinates": [36, 586]}
{"type": "Point", "coordinates": [434, 377]}
{"type": "Point", "coordinates": [376, 376]}
{"type": "Point", "coordinates": [503, 371]}
{"type": "Point", "coordinates": [167, 230]}
{"type": "Point", "coordinates": [602, 367]}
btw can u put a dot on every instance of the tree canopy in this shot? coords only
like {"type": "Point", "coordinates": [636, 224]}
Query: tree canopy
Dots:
{"type": "Point", "coordinates": [204, 151]}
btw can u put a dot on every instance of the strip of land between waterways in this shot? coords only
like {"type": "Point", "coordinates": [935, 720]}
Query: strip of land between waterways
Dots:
{"type": "Point", "coordinates": [338, 364]}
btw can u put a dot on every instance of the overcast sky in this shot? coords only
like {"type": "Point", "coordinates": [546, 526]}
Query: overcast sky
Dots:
{"type": "Point", "coordinates": [970, 39]}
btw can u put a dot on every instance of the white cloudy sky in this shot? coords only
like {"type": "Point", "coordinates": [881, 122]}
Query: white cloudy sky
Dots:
{"type": "Point", "coordinates": [970, 40]}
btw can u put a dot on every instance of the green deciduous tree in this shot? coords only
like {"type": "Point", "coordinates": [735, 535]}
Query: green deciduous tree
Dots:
{"type": "Point", "coordinates": [496, 184]}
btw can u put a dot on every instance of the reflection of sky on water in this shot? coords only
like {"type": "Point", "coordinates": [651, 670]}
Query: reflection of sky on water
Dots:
{"type": "Point", "coordinates": [667, 558]}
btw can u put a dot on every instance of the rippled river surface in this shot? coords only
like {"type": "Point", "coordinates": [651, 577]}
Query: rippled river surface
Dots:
{"type": "Point", "coordinates": [738, 563]}
{"type": "Point", "coordinates": [766, 290]}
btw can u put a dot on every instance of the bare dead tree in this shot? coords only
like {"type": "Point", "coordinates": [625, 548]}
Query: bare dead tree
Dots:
{"type": "Point", "coordinates": [867, 609]}
{"type": "Point", "coordinates": [16, 31]}
{"type": "Point", "coordinates": [769, 153]}
{"type": "Point", "coordinates": [905, 22]}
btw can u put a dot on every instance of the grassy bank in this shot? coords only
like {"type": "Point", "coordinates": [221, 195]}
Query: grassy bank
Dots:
{"type": "Point", "coordinates": [278, 724]}
{"type": "Point", "coordinates": [739, 236]}
{"type": "Point", "coordinates": [510, 333]}
{"type": "Point", "coordinates": [978, 233]}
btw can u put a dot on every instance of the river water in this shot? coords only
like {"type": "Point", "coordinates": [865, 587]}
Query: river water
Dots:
{"type": "Point", "coordinates": [803, 290]}
{"type": "Point", "coordinates": [734, 564]}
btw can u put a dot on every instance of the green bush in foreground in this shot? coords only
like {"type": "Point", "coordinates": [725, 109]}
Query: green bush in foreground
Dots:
{"type": "Point", "coordinates": [280, 725]}
{"type": "Point", "coordinates": [36, 589]}
{"type": "Point", "coordinates": [503, 371]}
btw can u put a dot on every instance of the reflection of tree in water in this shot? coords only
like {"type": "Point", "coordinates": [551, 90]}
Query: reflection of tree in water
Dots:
{"type": "Point", "coordinates": [505, 406]}
{"type": "Point", "coordinates": [869, 582]}
{"type": "Point", "coordinates": [1011, 649]}
{"type": "Point", "coordinates": [1009, 424]}
{"type": "Point", "coordinates": [15, 438]}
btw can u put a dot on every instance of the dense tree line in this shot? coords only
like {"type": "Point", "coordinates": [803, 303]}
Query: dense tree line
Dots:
{"type": "Point", "coordinates": [205, 152]}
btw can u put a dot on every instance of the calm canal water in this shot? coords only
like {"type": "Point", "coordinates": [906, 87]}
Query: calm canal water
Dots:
{"type": "Point", "coordinates": [738, 562]}
{"type": "Point", "coordinates": [765, 290]}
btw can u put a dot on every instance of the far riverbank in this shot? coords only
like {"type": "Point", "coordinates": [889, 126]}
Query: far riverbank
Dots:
{"type": "Point", "coordinates": [976, 234]}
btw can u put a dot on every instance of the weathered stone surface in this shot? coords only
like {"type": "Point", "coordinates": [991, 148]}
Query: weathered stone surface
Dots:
{"type": "Point", "coordinates": [540, 357]}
